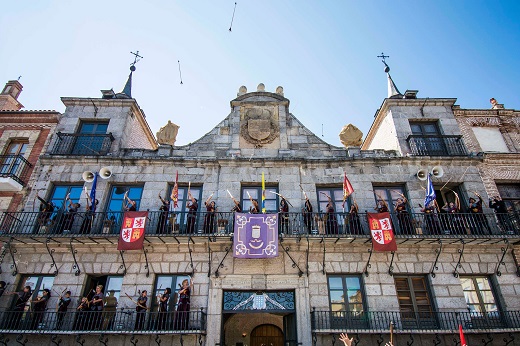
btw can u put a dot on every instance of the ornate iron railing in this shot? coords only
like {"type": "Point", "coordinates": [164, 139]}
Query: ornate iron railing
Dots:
{"type": "Point", "coordinates": [15, 167]}
{"type": "Point", "coordinates": [433, 145]}
{"type": "Point", "coordinates": [340, 321]}
{"type": "Point", "coordinates": [159, 223]}
{"type": "Point", "coordinates": [81, 144]}
{"type": "Point", "coordinates": [120, 321]}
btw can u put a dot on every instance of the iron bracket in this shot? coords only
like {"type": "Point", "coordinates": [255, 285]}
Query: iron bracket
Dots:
{"type": "Point", "coordinates": [79, 340]}
{"type": "Point", "coordinates": [437, 340]}
{"type": "Point", "coordinates": [294, 265]}
{"type": "Point", "coordinates": [220, 264]}
{"type": "Point", "coordinates": [307, 259]}
{"type": "Point", "coordinates": [489, 339]}
{"type": "Point", "coordinates": [456, 341]}
{"type": "Point", "coordinates": [368, 265]}
{"type": "Point", "coordinates": [438, 252]}
{"type": "Point", "coordinates": [191, 259]}
{"type": "Point", "coordinates": [4, 341]}
{"type": "Point", "coordinates": [103, 340]}
{"type": "Point", "coordinates": [517, 262]}
{"type": "Point", "coordinates": [122, 266]}
{"type": "Point", "coordinates": [410, 343]}
{"type": "Point", "coordinates": [182, 341]}
{"type": "Point", "coordinates": [133, 340]}
{"type": "Point", "coordinates": [2, 255]}
{"type": "Point", "coordinates": [200, 339]}
{"type": "Point", "coordinates": [323, 270]}
{"type": "Point", "coordinates": [75, 265]}
{"type": "Point", "coordinates": [12, 252]}
{"type": "Point", "coordinates": [55, 340]}
{"type": "Point", "coordinates": [314, 338]}
{"type": "Point", "coordinates": [20, 339]}
{"type": "Point", "coordinates": [333, 339]}
{"type": "Point", "coordinates": [51, 251]}
{"type": "Point", "coordinates": [158, 340]}
{"type": "Point", "coordinates": [380, 340]}
{"type": "Point", "coordinates": [507, 342]}
{"type": "Point", "coordinates": [501, 262]}
{"type": "Point", "coordinates": [458, 265]}
{"type": "Point", "coordinates": [391, 267]}
{"type": "Point", "coordinates": [146, 266]}
{"type": "Point", "coordinates": [209, 261]}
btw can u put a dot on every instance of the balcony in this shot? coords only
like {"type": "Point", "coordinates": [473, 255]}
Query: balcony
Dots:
{"type": "Point", "coordinates": [410, 322]}
{"type": "Point", "coordinates": [122, 321]}
{"type": "Point", "coordinates": [14, 172]}
{"type": "Point", "coordinates": [82, 144]}
{"type": "Point", "coordinates": [434, 145]}
{"type": "Point", "coordinates": [336, 225]}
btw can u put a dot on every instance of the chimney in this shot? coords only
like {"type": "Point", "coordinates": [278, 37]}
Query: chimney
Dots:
{"type": "Point", "coordinates": [9, 96]}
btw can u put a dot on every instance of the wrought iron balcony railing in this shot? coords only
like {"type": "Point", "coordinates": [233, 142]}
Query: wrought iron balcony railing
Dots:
{"type": "Point", "coordinates": [15, 167]}
{"type": "Point", "coordinates": [341, 321]}
{"type": "Point", "coordinates": [434, 145]}
{"type": "Point", "coordinates": [120, 322]}
{"type": "Point", "coordinates": [463, 225]}
{"type": "Point", "coordinates": [81, 144]}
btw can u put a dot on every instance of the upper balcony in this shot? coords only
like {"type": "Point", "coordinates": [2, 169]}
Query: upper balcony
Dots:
{"type": "Point", "coordinates": [436, 145]}
{"type": "Point", "coordinates": [14, 172]}
{"type": "Point", "coordinates": [82, 144]}
{"type": "Point", "coordinates": [332, 225]}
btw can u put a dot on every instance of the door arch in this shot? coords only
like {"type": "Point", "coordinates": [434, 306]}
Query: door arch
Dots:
{"type": "Point", "coordinates": [267, 335]}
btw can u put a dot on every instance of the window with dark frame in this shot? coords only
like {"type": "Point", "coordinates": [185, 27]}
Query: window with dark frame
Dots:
{"type": "Point", "coordinates": [271, 199]}
{"type": "Point", "coordinates": [11, 160]}
{"type": "Point", "coordinates": [88, 141]}
{"type": "Point", "coordinates": [479, 296]}
{"type": "Point", "coordinates": [37, 283]}
{"type": "Point", "coordinates": [415, 304]}
{"type": "Point", "coordinates": [174, 282]}
{"type": "Point", "coordinates": [389, 194]}
{"type": "Point", "coordinates": [196, 192]}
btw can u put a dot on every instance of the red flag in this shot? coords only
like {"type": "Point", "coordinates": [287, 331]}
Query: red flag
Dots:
{"type": "Point", "coordinates": [347, 188]}
{"type": "Point", "coordinates": [132, 230]}
{"type": "Point", "coordinates": [381, 231]}
{"type": "Point", "coordinates": [462, 338]}
{"type": "Point", "coordinates": [175, 191]}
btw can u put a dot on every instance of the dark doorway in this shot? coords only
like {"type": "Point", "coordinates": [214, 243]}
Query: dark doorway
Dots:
{"type": "Point", "coordinates": [266, 334]}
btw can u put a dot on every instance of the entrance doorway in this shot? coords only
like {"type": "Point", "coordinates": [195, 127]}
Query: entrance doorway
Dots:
{"type": "Point", "coordinates": [266, 335]}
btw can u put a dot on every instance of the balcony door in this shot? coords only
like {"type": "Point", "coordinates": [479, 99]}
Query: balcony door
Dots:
{"type": "Point", "coordinates": [415, 304]}
{"type": "Point", "coordinates": [89, 142]}
{"type": "Point", "coordinates": [12, 157]}
{"type": "Point", "coordinates": [430, 142]}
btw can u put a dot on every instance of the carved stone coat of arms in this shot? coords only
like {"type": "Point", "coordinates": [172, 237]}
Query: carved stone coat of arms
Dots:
{"type": "Point", "coordinates": [258, 127]}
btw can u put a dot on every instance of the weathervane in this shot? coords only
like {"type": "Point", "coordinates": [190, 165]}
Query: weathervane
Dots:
{"type": "Point", "coordinates": [383, 57]}
{"type": "Point", "coordinates": [136, 59]}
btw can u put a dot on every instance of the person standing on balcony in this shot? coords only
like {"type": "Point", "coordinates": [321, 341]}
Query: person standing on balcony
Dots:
{"type": "Point", "coordinates": [405, 223]}
{"type": "Point", "coordinates": [210, 217]}
{"type": "Point", "coordinates": [130, 205]}
{"type": "Point", "coordinates": [182, 316]}
{"type": "Point", "coordinates": [163, 308]}
{"type": "Point", "coordinates": [430, 218]}
{"type": "Point", "coordinates": [141, 310]}
{"type": "Point", "coordinates": [477, 219]}
{"type": "Point", "coordinates": [283, 212]}
{"type": "Point", "coordinates": [455, 222]}
{"type": "Point", "coordinates": [96, 307]}
{"type": "Point", "coordinates": [193, 207]}
{"type": "Point", "coordinates": [162, 226]}
{"type": "Point", "coordinates": [500, 208]}
{"type": "Point", "coordinates": [70, 215]}
{"type": "Point", "coordinates": [353, 219]}
{"type": "Point", "coordinates": [19, 307]}
{"type": "Point", "coordinates": [331, 224]}
{"type": "Point", "coordinates": [63, 305]}
{"type": "Point", "coordinates": [46, 210]}
{"type": "Point", "coordinates": [307, 214]}
{"type": "Point", "coordinates": [88, 221]}
{"type": "Point", "coordinates": [39, 306]}
{"type": "Point", "coordinates": [381, 205]}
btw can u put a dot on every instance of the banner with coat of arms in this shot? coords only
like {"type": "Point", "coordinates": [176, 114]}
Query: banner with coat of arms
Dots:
{"type": "Point", "coordinates": [383, 237]}
{"type": "Point", "coordinates": [255, 235]}
{"type": "Point", "coordinates": [132, 230]}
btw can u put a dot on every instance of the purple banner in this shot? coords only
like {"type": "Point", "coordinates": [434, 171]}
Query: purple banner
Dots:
{"type": "Point", "coordinates": [256, 236]}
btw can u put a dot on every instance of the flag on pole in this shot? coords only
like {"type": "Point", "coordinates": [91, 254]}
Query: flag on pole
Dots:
{"type": "Point", "coordinates": [93, 193]}
{"type": "Point", "coordinates": [263, 193]}
{"type": "Point", "coordinates": [347, 188]}
{"type": "Point", "coordinates": [131, 236]}
{"type": "Point", "coordinates": [381, 231]}
{"type": "Point", "coordinates": [462, 338]}
{"type": "Point", "coordinates": [175, 191]}
{"type": "Point", "coordinates": [430, 192]}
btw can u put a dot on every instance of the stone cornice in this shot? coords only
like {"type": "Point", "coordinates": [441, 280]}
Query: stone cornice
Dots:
{"type": "Point", "coordinates": [484, 112]}
{"type": "Point", "coordinates": [243, 98]}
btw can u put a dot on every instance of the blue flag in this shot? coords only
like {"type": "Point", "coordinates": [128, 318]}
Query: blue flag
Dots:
{"type": "Point", "coordinates": [93, 193]}
{"type": "Point", "coordinates": [430, 192]}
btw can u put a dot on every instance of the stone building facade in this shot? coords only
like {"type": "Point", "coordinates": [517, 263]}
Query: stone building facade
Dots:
{"type": "Point", "coordinates": [23, 137]}
{"type": "Point", "coordinates": [326, 278]}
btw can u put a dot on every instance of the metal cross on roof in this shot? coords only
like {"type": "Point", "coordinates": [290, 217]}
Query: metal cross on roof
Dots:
{"type": "Point", "coordinates": [137, 57]}
{"type": "Point", "coordinates": [382, 56]}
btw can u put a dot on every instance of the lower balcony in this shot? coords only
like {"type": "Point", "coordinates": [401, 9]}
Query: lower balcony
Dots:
{"type": "Point", "coordinates": [14, 172]}
{"type": "Point", "coordinates": [333, 225]}
{"type": "Point", "coordinates": [123, 321]}
{"type": "Point", "coordinates": [379, 321]}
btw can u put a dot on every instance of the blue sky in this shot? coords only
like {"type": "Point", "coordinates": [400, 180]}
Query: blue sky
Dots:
{"type": "Point", "coordinates": [322, 52]}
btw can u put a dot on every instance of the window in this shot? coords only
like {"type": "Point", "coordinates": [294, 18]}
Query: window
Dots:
{"type": "Point", "coordinates": [510, 194]}
{"type": "Point", "coordinates": [389, 194]}
{"type": "Point", "coordinates": [346, 301]}
{"type": "Point", "coordinates": [116, 204]}
{"type": "Point", "coordinates": [37, 284]}
{"type": "Point", "coordinates": [479, 296]}
{"type": "Point", "coordinates": [271, 199]}
{"type": "Point", "coordinates": [428, 140]}
{"type": "Point", "coordinates": [196, 192]}
{"type": "Point", "coordinates": [161, 283]}
{"type": "Point", "coordinates": [90, 139]}
{"type": "Point", "coordinates": [12, 157]}
{"type": "Point", "coordinates": [60, 192]}
{"type": "Point", "coordinates": [114, 284]}
{"type": "Point", "coordinates": [414, 302]}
